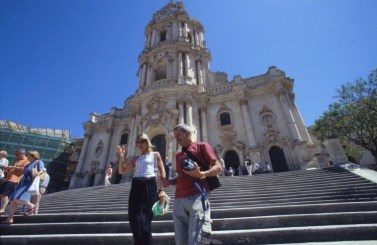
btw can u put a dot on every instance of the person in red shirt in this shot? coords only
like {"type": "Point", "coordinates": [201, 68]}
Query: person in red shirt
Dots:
{"type": "Point", "coordinates": [191, 212]}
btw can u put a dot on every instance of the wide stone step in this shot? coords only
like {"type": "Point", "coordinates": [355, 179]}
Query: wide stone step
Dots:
{"type": "Point", "coordinates": [289, 207]}
{"type": "Point", "coordinates": [227, 203]}
{"type": "Point", "coordinates": [223, 224]}
{"type": "Point", "coordinates": [246, 236]}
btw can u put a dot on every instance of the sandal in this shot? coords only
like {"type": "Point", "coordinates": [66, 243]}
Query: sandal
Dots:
{"type": "Point", "coordinates": [7, 222]}
{"type": "Point", "coordinates": [30, 211]}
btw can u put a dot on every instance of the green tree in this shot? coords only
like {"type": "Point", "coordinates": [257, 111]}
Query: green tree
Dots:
{"type": "Point", "coordinates": [353, 117]}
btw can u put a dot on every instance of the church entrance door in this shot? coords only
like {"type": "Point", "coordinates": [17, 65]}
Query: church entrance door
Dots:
{"type": "Point", "coordinates": [231, 160]}
{"type": "Point", "coordinates": [279, 164]}
{"type": "Point", "coordinates": [159, 143]}
{"type": "Point", "coordinates": [91, 179]}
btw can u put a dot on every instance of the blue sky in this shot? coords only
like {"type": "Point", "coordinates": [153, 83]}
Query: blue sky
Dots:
{"type": "Point", "coordinates": [61, 60]}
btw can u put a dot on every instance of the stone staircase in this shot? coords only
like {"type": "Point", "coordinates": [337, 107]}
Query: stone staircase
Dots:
{"type": "Point", "coordinates": [320, 206]}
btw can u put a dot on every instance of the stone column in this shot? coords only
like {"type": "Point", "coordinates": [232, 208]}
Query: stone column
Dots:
{"type": "Point", "coordinates": [133, 134]}
{"type": "Point", "coordinates": [200, 76]}
{"type": "Point", "coordinates": [148, 76]}
{"type": "Point", "coordinates": [77, 177]}
{"type": "Point", "coordinates": [181, 118]}
{"type": "Point", "coordinates": [288, 112]}
{"type": "Point", "coordinates": [180, 67]}
{"type": "Point", "coordinates": [175, 31]}
{"type": "Point", "coordinates": [185, 29]}
{"type": "Point", "coordinates": [302, 129]}
{"type": "Point", "coordinates": [189, 112]}
{"type": "Point", "coordinates": [80, 165]}
{"type": "Point", "coordinates": [180, 29]}
{"type": "Point", "coordinates": [204, 125]}
{"type": "Point", "coordinates": [107, 149]}
{"type": "Point", "coordinates": [201, 39]}
{"type": "Point", "coordinates": [187, 62]}
{"type": "Point", "coordinates": [168, 32]}
{"type": "Point", "coordinates": [142, 75]}
{"type": "Point", "coordinates": [200, 72]}
{"type": "Point", "coordinates": [153, 38]}
{"type": "Point", "coordinates": [139, 75]}
{"type": "Point", "coordinates": [247, 123]}
{"type": "Point", "coordinates": [149, 40]}
{"type": "Point", "coordinates": [196, 38]}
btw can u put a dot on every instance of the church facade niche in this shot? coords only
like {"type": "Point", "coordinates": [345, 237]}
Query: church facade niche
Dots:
{"type": "Point", "coordinates": [254, 118]}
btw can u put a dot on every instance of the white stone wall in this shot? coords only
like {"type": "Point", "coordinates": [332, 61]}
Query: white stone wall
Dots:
{"type": "Point", "coordinates": [157, 106]}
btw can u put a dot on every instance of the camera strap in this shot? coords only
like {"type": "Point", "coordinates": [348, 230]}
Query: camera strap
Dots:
{"type": "Point", "coordinates": [198, 184]}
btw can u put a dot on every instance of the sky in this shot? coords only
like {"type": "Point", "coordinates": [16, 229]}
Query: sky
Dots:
{"type": "Point", "coordinates": [64, 59]}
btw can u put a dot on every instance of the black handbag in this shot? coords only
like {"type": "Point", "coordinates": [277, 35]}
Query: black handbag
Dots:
{"type": "Point", "coordinates": [213, 182]}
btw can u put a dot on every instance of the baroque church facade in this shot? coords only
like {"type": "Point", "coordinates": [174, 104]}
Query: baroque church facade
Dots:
{"type": "Point", "coordinates": [254, 118]}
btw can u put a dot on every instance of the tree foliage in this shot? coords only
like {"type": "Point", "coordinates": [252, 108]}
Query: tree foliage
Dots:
{"type": "Point", "coordinates": [354, 116]}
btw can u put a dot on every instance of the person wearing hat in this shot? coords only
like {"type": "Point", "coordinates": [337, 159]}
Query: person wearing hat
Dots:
{"type": "Point", "coordinates": [13, 176]}
{"type": "Point", "coordinates": [35, 199]}
{"type": "Point", "coordinates": [21, 196]}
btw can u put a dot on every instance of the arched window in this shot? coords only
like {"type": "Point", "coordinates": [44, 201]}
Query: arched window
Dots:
{"type": "Point", "coordinates": [162, 36]}
{"type": "Point", "coordinates": [124, 139]}
{"type": "Point", "coordinates": [225, 119]}
{"type": "Point", "coordinates": [190, 38]}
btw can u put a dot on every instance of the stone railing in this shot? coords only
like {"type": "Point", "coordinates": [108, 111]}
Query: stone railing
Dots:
{"type": "Point", "coordinates": [255, 82]}
{"type": "Point", "coordinates": [162, 83]}
{"type": "Point", "coordinates": [121, 113]}
{"type": "Point", "coordinates": [218, 90]}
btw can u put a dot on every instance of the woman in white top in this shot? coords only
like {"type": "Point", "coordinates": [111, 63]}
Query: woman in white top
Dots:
{"type": "Point", "coordinates": [143, 192]}
{"type": "Point", "coordinates": [3, 162]}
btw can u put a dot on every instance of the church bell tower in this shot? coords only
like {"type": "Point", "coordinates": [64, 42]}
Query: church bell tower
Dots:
{"type": "Point", "coordinates": [174, 52]}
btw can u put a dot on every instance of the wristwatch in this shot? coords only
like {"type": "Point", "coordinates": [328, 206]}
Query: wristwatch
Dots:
{"type": "Point", "coordinates": [202, 175]}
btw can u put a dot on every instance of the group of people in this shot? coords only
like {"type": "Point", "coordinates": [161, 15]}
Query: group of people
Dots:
{"type": "Point", "coordinates": [18, 178]}
{"type": "Point", "coordinates": [191, 212]}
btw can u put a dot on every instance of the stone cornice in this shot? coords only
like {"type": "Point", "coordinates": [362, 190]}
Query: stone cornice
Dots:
{"type": "Point", "coordinates": [178, 46]}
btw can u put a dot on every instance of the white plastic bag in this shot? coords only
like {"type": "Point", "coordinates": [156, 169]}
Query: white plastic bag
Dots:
{"type": "Point", "coordinates": [34, 188]}
{"type": "Point", "coordinates": [161, 207]}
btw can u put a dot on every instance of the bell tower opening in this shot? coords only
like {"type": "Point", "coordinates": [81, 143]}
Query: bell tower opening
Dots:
{"type": "Point", "coordinates": [160, 70]}
{"type": "Point", "coordinates": [162, 36]}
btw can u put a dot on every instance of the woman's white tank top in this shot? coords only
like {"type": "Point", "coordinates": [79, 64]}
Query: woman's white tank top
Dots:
{"type": "Point", "coordinates": [145, 164]}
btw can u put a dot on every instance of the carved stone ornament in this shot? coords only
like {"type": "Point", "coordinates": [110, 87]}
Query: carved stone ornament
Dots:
{"type": "Point", "coordinates": [158, 114]}
{"type": "Point", "coordinates": [273, 137]}
{"type": "Point", "coordinates": [240, 146]}
{"type": "Point", "coordinates": [99, 149]}
{"type": "Point", "coordinates": [228, 137]}
{"type": "Point", "coordinates": [221, 77]}
{"type": "Point", "coordinates": [219, 149]}
{"type": "Point", "coordinates": [267, 117]}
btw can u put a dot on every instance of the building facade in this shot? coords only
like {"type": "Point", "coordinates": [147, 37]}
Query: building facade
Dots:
{"type": "Point", "coordinates": [254, 118]}
{"type": "Point", "coordinates": [53, 145]}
